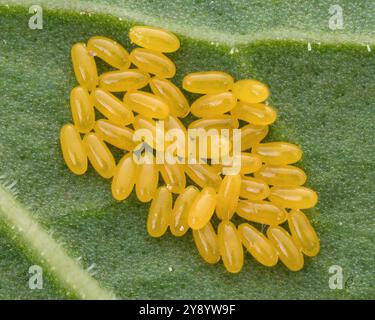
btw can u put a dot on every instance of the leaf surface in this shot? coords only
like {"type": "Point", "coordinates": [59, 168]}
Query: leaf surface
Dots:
{"type": "Point", "coordinates": [325, 102]}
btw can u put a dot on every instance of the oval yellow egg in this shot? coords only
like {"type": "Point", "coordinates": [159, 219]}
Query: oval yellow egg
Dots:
{"type": "Point", "coordinates": [254, 189]}
{"type": "Point", "coordinates": [120, 137]}
{"type": "Point", "coordinates": [154, 38]}
{"type": "Point", "coordinates": [213, 104]}
{"type": "Point", "coordinates": [147, 104]}
{"type": "Point", "coordinates": [124, 80]}
{"type": "Point", "coordinates": [172, 122]}
{"type": "Point", "coordinates": [82, 109]}
{"type": "Point", "coordinates": [179, 106]}
{"type": "Point", "coordinates": [256, 113]}
{"type": "Point", "coordinates": [207, 243]}
{"type": "Point", "coordinates": [109, 51]}
{"type": "Point", "coordinates": [303, 234]}
{"type": "Point", "coordinates": [124, 178]}
{"type": "Point", "coordinates": [147, 181]}
{"type": "Point", "coordinates": [208, 145]}
{"type": "Point", "coordinates": [227, 197]}
{"type": "Point", "coordinates": [288, 253]}
{"type": "Point", "coordinates": [173, 176]}
{"type": "Point", "coordinates": [153, 134]}
{"type": "Point", "coordinates": [293, 197]}
{"type": "Point", "coordinates": [112, 107]}
{"type": "Point", "coordinates": [175, 138]}
{"type": "Point", "coordinates": [252, 135]}
{"type": "Point", "coordinates": [278, 153]}
{"type": "Point", "coordinates": [250, 91]}
{"type": "Point", "coordinates": [284, 176]}
{"type": "Point", "coordinates": [208, 82]}
{"type": "Point", "coordinates": [203, 175]}
{"type": "Point", "coordinates": [84, 66]}
{"type": "Point", "coordinates": [261, 212]}
{"type": "Point", "coordinates": [230, 246]}
{"type": "Point", "coordinates": [250, 163]}
{"type": "Point", "coordinates": [72, 149]}
{"type": "Point", "coordinates": [202, 209]}
{"type": "Point", "coordinates": [258, 245]}
{"type": "Point", "coordinates": [153, 62]}
{"type": "Point", "coordinates": [99, 155]}
{"type": "Point", "coordinates": [179, 222]}
{"type": "Point", "coordinates": [160, 212]}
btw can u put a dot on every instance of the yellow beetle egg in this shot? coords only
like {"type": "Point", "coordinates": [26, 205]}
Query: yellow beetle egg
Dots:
{"type": "Point", "coordinates": [250, 91]}
{"type": "Point", "coordinates": [99, 155]}
{"type": "Point", "coordinates": [278, 153]}
{"type": "Point", "coordinates": [261, 212]}
{"type": "Point", "coordinates": [208, 82]}
{"type": "Point", "coordinates": [257, 113]}
{"type": "Point", "coordinates": [179, 106]}
{"type": "Point", "coordinates": [153, 62]}
{"type": "Point", "coordinates": [230, 246]}
{"type": "Point", "coordinates": [154, 38]}
{"type": "Point", "coordinates": [288, 253]}
{"type": "Point", "coordinates": [179, 222]}
{"type": "Point", "coordinates": [202, 208]}
{"type": "Point", "coordinates": [285, 176]}
{"type": "Point", "coordinates": [147, 104]}
{"type": "Point", "coordinates": [252, 135]}
{"type": "Point", "coordinates": [84, 66]}
{"type": "Point", "coordinates": [303, 234]}
{"type": "Point", "coordinates": [82, 109]}
{"type": "Point", "coordinates": [258, 245]}
{"type": "Point", "coordinates": [173, 176]}
{"type": "Point", "coordinates": [120, 137]}
{"type": "Point", "coordinates": [293, 197]}
{"type": "Point", "coordinates": [154, 138]}
{"type": "Point", "coordinates": [213, 104]}
{"type": "Point", "coordinates": [125, 80]}
{"type": "Point", "coordinates": [227, 197]}
{"type": "Point", "coordinates": [72, 149]}
{"type": "Point", "coordinates": [109, 51]}
{"type": "Point", "coordinates": [124, 178]}
{"type": "Point", "coordinates": [175, 145]}
{"type": "Point", "coordinates": [203, 175]}
{"type": "Point", "coordinates": [173, 122]}
{"type": "Point", "coordinates": [146, 181]}
{"type": "Point", "coordinates": [250, 163]}
{"type": "Point", "coordinates": [160, 213]}
{"type": "Point", "coordinates": [112, 107]}
{"type": "Point", "coordinates": [254, 189]}
{"type": "Point", "coordinates": [207, 243]}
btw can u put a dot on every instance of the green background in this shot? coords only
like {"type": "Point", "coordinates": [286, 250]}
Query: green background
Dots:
{"type": "Point", "coordinates": [325, 100]}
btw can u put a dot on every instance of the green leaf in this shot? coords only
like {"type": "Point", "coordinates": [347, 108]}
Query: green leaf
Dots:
{"type": "Point", "coordinates": [325, 103]}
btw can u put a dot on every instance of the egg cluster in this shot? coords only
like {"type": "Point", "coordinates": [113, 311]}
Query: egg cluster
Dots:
{"type": "Point", "coordinates": [266, 191]}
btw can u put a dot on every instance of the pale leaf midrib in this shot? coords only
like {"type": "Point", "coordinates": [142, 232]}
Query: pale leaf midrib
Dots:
{"type": "Point", "coordinates": [50, 254]}
{"type": "Point", "coordinates": [201, 33]}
